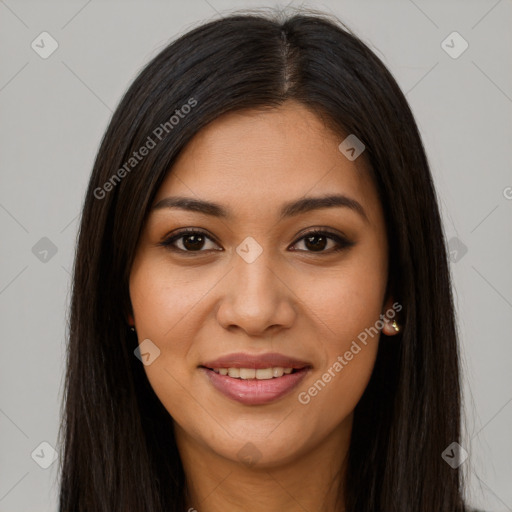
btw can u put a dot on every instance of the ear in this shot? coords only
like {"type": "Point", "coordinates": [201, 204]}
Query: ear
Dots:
{"type": "Point", "coordinates": [388, 328]}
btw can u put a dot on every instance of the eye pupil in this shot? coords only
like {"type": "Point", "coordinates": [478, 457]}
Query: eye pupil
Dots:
{"type": "Point", "coordinates": [316, 246]}
{"type": "Point", "coordinates": [197, 241]}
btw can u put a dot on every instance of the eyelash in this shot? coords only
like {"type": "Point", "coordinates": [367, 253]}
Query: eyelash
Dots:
{"type": "Point", "coordinates": [342, 242]}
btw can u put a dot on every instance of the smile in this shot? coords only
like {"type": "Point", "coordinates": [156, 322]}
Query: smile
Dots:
{"type": "Point", "coordinates": [253, 373]}
{"type": "Point", "coordinates": [255, 379]}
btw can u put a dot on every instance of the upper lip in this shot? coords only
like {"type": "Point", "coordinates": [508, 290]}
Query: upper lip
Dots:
{"type": "Point", "coordinates": [268, 360]}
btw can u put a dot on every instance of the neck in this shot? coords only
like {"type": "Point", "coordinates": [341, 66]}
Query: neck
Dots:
{"type": "Point", "coordinates": [312, 481]}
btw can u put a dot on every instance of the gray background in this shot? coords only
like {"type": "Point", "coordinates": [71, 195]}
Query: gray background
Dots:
{"type": "Point", "coordinates": [55, 111]}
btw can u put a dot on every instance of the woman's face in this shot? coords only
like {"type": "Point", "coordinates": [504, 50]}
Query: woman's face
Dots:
{"type": "Point", "coordinates": [254, 294]}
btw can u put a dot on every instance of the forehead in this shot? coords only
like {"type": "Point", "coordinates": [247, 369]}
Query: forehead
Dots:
{"type": "Point", "coordinates": [254, 160]}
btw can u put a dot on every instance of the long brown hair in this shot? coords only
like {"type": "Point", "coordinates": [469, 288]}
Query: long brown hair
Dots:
{"type": "Point", "coordinates": [118, 448]}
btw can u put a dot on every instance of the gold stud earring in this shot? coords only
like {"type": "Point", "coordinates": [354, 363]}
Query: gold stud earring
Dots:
{"type": "Point", "coordinates": [395, 326]}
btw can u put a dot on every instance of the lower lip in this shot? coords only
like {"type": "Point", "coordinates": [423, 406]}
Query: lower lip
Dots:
{"type": "Point", "coordinates": [254, 391]}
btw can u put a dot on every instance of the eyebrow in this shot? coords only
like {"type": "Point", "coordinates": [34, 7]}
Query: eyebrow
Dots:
{"type": "Point", "coordinates": [289, 209]}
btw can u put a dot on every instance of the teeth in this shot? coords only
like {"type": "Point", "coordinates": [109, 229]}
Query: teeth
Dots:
{"type": "Point", "coordinates": [277, 372]}
{"type": "Point", "coordinates": [264, 373]}
{"type": "Point", "coordinates": [247, 373]}
{"type": "Point", "coordinates": [234, 372]}
{"type": "Point", "coordinates": [252, 373]}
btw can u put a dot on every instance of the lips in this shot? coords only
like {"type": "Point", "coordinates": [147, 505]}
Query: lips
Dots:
{"type": "Point", "coordinates": [242, 360]}
{"type": "Point", "coordinates": [255, 379]}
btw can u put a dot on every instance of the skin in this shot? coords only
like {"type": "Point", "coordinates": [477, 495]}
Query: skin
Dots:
{"type": "Point", "coordinates": [303, 303]}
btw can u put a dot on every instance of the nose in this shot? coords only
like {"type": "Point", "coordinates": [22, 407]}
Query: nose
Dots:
{"type": "Point", "coordinates": [257, 299]}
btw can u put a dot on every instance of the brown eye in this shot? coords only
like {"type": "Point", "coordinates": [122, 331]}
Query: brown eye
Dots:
{"type": "Point", "coordinates": [189, 241]}
{"type": "Point", "coordinates": [193, 242]}
{"type": "Point", "coordinates": [317, 241]}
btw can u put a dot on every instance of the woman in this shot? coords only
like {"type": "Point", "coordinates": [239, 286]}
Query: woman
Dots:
{"type": "Point", "coordinates": [262, 315]}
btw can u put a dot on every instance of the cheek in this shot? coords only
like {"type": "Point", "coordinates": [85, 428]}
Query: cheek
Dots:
{"type": "Point", "coordinates": [345, 301]}
{"type": "Point", "coordinates": [347, 316]}
{"type": "Point", "coordinates": [347, 319]}
{"type": "Point", "coordinates": [346, 307]}
{"type": "Point", "coordinates": [163, 300]}
{"type": "Point", "coordinates": [162, 303]}
{"type": "Point", "coordinates": [330, 398]}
